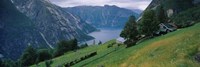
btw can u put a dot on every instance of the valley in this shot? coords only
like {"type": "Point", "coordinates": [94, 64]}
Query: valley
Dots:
{"type": "Point", "coordinates": [100, 33]}
{"type": "Point", "coordinates": [155, 52]}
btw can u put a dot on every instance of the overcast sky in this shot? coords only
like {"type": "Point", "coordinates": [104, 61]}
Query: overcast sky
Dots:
{"type": "Point", "coordinates": [130, 4]}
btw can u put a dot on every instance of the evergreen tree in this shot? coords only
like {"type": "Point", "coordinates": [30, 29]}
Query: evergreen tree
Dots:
{"type": "Point", "coordinates": [8, 63]}
{"type": "Point", "coordinates": [74, 44]}
{"type": "Point", "coordinates": [65, 46]}
{"type": "Point", "coordinates": [83, 45]}
{"type": "Point", "coordinates": [161, 15]}
{"type": "Point", "coordinates": [130, 31]}
{"type": "Point", "coordinates": [149, 23]}
{"type": "Point", "coordinates": [43, 54]}
{"type": "Point", "coordinates": [1, 63]}
{"type": "Point", "coordinates": [62, 47]}
{"type": "Point", "coordinates": [99, 43]}
{"type": "Point", "coordinates": [29, 56]}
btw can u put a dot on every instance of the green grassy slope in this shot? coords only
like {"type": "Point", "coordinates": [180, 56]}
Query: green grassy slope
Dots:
{"type": "Point", "coordinates": [175, 49]}
{"type": "Point", "coordinates": [101, 50]}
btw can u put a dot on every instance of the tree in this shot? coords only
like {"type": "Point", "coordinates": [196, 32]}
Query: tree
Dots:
{"type": "Point", "coordinates": [1, 63]}
{"type": "Point", "coordinates": [62, 47]}
{"type": "Point", "coordinates": [99, 43]}
{"type": "Point", "coordinates": [130, 31]}
{"type": "Point", "coordinates": [74, 44]}
{"type": "Point", "coordinates": [65, 46]}
{"type": "Point", "coordinates": [48, 63]}
{"type": "Point", "coordinates": [149, 23]}
{"type": "Point", "coordinates": [83, 45]}
{"type": "Point", "coordinates": [161, 15]}
{"type": "Point", "coordinates": [43, 54]}
{"type": "Point", "coordinates": [29, 56]}
{"type": "Point", "coordinates": [8, 63]}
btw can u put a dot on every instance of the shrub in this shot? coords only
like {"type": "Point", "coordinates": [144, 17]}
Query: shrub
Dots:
{"type": "Point", "coordinates": [8, 63]}
{"type": "Point", "coordinates": [65, 46]}
{"type": "Point", "coordinates": [48, 63]}
{"type": "Point", "coordinates": [29, 56]}
{"type": "Point", "coordinates": [83, 45]}
{"type": "Point", "coordinates": [43, 54]}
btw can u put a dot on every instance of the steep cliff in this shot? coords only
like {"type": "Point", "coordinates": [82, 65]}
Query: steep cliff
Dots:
{"type": "Point", "coordinates": [180, 12]}
{"type": "Point", "coordinates": [173, 7]}
{"type": "Point", "coordinates": [52, 22]}
{"type": "Point", "coordinates": [38, 23]}
{"type": "Point", "coordinates": [16, 31]}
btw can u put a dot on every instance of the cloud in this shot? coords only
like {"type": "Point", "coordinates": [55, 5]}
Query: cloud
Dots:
{"type": "Point", "coordinates": [129, 4]}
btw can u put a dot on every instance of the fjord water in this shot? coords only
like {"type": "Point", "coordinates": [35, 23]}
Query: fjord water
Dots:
{"type": "Point", "coordinates": [104, 35]}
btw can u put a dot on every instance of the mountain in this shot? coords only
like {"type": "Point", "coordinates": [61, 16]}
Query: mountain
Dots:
{"type": "Point", "coordinates": [103, 16]}
{"type": "Point", "coordinates": [175, 6]}
{"type": "Point", "coordinates": [53, 22]}
{"type": "Point", "coordinates": [38, 23]}
{"type": "Point", "coordinates": [16, 31]}
{"type": "Point", "coordinates": [180, 12]}
{"type": "Point", "coordinates": [138, 11]}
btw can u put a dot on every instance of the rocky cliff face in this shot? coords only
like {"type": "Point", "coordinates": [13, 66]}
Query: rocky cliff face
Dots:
{"type": "Point", "coordinates": [16, 31]}
{"type": "Point", "coordinates": [52, 22]}
{"type": "Point", "coordinates": [38, 23]}
{"type": "Point", "coordinates": [103, 16]}
{"type": "Point", "coordinates": [173, 7]}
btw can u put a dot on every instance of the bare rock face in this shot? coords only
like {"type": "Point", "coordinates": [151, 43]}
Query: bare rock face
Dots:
{"type": "Point", "coordinates": [170, 12]}
{"type": "Point", "coordinates": [52, 22]}
{"type": "Point", "coordinates": [173, 7]}
{"type": "Point", "coordinates": [196, 2]}
{"type": "Point", "coordinates": [16, 31]}
{"type": "Point", "coordinates": [38, 23]}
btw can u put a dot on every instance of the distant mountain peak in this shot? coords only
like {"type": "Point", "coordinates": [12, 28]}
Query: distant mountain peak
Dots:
{"type": "Point", "coordinates": [110, 6]}
{"type": "Point", "coordinates": [103, 16]}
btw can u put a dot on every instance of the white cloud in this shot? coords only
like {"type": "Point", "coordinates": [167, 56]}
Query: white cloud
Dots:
{"type": "Point", "coordinates": [130, 4]}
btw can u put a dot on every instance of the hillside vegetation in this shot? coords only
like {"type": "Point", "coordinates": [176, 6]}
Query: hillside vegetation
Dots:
{"type": "Point", "coordinates": [187, 17]}
{"type": "Point", "coordinates": [174, 49]}
{"type": "Point", "coordinates": [102, 50]}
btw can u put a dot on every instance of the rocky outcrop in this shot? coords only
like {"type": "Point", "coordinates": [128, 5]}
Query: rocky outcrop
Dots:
{"type": "Point", "coordinates": [196, 2]}
{"type": "Point", "coordinates": [173, 7]}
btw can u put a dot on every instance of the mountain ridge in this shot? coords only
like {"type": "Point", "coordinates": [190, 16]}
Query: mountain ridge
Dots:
{"type": "Point", "coordinates": [103, 16]}
{"type": "Point", "coordinates": [38, 23]}
{"type": "Point", "coordinates": [17, 31]}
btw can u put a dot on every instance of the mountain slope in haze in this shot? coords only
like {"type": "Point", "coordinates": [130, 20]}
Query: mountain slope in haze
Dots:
{"type": "Point", "coordinates": [53, 23]}
{"type": "Point", "coordinates": [103, 16]}
{"type": "Point", "coordinates": [16, 31]}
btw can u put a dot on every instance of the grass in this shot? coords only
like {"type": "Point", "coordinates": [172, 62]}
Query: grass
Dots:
{"type": "Point", "coordinates": [102, 50]}
{"type": "Point", "coordinates": [175, 49]}
{"type": "Point", "coordinates": [70, 56]}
